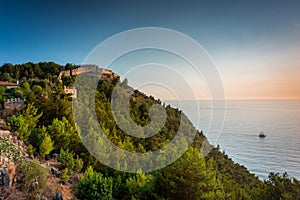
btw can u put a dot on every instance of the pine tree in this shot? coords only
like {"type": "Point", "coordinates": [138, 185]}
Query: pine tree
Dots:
{"type": "Point", "coordinates": [46, 146]}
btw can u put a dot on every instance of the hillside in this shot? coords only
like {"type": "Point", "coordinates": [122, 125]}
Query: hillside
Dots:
{"type": "Point", "coordinates": [47, 128]}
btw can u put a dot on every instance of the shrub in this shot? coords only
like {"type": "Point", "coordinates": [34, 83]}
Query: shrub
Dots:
{"type": "Point", "coordinates": [46, 146]}
{"type": "Point", "coordinates": [78, 164]}
{"type": "Point", "coordinates": [94, 186]}
{"type": "Point", "coordinates": [30, 150]}
{"type": "Point", "coordinates": [141, 186]}
{"type": "Point", "coordinates": [34, 177]}
{"type": "Point", "coordinates": [65, 174]}
{"type": "Point", "coordinates": [66, 159]}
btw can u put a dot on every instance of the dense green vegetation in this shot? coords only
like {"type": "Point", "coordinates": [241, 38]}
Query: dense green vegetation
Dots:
{"type": "Point", "coordinates": [46, 124]}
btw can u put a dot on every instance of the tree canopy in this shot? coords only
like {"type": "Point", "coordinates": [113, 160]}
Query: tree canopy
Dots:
{"type": "Point", "coordinates": [46, 124]}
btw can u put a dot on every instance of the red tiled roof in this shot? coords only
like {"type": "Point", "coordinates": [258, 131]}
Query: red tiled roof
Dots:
{"type": "Point", "coordinates": [8, 84]}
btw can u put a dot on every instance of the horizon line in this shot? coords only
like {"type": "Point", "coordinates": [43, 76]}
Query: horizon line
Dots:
{"type": "Point", "coordinates": [234, 99]}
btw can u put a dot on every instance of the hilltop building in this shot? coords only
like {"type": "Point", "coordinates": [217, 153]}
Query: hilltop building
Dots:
{"type": "Point", "coordinates": [9, 85]}
{"type": "Point", "coordinates": [71, 90]}
{"type": "Point", "coordinates": [104, 74]}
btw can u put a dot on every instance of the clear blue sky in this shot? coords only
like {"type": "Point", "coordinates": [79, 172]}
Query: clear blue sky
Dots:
{"type": "Point", "coordinates": [250, 41]}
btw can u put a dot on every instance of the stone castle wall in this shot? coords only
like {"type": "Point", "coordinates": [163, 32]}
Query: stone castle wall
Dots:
{"type": "Point", "coordinates": [11, 106]}
{"type": "Point", "coordinates": [105, 73]}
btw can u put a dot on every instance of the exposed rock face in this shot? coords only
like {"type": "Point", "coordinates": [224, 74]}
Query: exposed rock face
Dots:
{"type": "Point", "coordinates": [55, 172]}
{"type": "Point", "coordinates": [7, 193]}
{"type": "Point", "coordinates": [2, 122]}
{"type": "Point", "coordinates": [4, 178]}
{"type": "Point", "coordinates": [7, 165]}
{"type": "Point", "coordinates": [18, 144]}
{"type": "Point", "coordinates": [58, 196]}
{"type": "Point", "coordinates": [9, 177]}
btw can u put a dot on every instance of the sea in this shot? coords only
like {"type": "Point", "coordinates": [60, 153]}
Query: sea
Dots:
{"type": "Point", "coordinates": [236, 124]}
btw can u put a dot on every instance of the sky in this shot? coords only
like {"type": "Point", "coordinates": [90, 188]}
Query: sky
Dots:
{"type": "Point", "coordinates": [254, 44]}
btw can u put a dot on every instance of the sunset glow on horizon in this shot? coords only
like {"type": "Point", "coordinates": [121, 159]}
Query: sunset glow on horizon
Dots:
{"type": "Point", "coordinates": [255, 45]}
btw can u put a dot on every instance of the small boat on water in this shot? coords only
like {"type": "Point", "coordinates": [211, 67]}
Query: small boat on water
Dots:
{"type": "Point", "coordinates": [262, 135]}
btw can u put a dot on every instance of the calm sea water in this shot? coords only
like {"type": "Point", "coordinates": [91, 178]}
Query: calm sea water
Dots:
{"type": "Point", "coordinates": [279, 151]}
